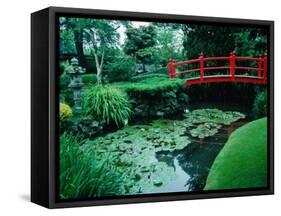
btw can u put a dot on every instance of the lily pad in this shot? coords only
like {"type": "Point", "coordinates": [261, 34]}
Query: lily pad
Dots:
{"type": "Point", "coordinates": [205, 130]}
{"type": "Point", "coordinates": [134, 147]}
{"type": "Point", "coordinates": [214, 115]}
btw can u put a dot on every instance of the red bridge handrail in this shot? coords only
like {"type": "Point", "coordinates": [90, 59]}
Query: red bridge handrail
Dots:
{"type": "Point", "coordinates": [261, 69]}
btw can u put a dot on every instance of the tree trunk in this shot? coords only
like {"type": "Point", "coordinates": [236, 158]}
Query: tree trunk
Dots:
{"type": "Point", "coordinates": [98, 65]}
{"type": "Point", "coordinates": [99, 76]}
{"type": "Point", "coordinates": [94, 52]}
{"type": "Point", "coordinates": [78, 38]}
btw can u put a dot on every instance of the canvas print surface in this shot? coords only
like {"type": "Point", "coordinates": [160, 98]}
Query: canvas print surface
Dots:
{"type": "Point", "coordinates": [154, 107]}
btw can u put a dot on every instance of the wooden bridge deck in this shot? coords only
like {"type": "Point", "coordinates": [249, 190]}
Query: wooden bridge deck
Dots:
{"type": "Point", "coordinates": [225, 78]}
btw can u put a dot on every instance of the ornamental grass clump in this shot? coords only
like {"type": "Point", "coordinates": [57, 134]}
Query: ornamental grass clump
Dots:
{"type": "Point", "coordinates": [83, 174]}
{"type": "Point", "coordinates": [107, 104]}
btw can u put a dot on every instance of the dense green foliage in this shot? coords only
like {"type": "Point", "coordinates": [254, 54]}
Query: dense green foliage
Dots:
{"type": "Point", "coordinates": [150, 85]}
{"type": "Point", "coordinates": [89, 79]}
{"type": "Point", "coordinates": [63, 65]}
{"type": "Point", "coordinates": [140, 43]}
{"type": "Point", "coordinates": [66, 93]}
{"type": "Point", "coordinates": [156, 96]}
{"type": "Point", "coordinates": [242, 163]}
{"type": "Point", "coordinates": [207, 38]}
{"type": "Point", "coordinates": [169, 43]}
{"type": "Point", "coordinates": [107, 104]}
{"type": "Point", "coordinates": [82, 175]}
{"type": "Point", "coordinates": [64, 81]}
{"type": "Point", "coordinates": [260, 104]}
{"type": "Point", "coordinates": [67, 44]}
{"type": "Point", "coordinates": [204, 38]}
{"type": "Point", "coordinates": [121, 69]}
{"type": "Point", "coordinates": [98, 35]}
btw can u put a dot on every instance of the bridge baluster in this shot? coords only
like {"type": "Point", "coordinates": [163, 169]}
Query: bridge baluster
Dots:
{"type": "Point", "coordinates": [259, 67]}
{"type": "Point", "coordinates": [201, 57]}
{"type": "Point", "coordinates": [232, 64]}
{"type": "Point", "coordinates": [265, 67]}
{"type": "Point", "coordinates": [172, 68]}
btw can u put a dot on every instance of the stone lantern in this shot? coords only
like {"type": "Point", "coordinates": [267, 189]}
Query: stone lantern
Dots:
{"type": "Point", "coordinates": [75, 72]}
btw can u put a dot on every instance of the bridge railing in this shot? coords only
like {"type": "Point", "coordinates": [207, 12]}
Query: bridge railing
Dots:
{"type": "Point", "coordinates": [232, 66]}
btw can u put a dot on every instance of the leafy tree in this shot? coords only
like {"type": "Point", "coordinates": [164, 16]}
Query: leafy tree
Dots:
{"type": "Point", "coordinates": [96, 35]}
{"type": "Point", "coordinates": [220, 40]}
{"type": "Point", "coordinates": [140, 43]}
{"type": "Point", "coordinates": [73, 27]}
{"type": "Point", "coordinates": [119, 66]}
{"type": "Point", "coordinates": [212, 40]}
{"type": "Point", "coordinates": [100, 36]}
{"type": "Point", "coordinates": [169, 42]}
{"type": "Point", "coordinates": [251, 42]}
{"type": "Point", "coordinates": [67, 44]}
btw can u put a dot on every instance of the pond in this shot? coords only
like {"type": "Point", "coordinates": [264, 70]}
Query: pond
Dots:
{"type": "Point", "coordinates": [192, 164]}
{"type": "Point", "coordinates": [169, 155]}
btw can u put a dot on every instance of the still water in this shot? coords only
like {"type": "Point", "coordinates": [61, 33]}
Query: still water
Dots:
{"type": "Point", "coordinates": [192, 164]}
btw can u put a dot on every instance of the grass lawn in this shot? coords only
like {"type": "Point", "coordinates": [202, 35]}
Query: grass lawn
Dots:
{"type": "Point", "coordinates": [242, 163]}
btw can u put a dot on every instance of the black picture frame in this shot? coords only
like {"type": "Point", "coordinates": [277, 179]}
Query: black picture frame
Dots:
{"type": "Point", "coordinates": [44, 107]}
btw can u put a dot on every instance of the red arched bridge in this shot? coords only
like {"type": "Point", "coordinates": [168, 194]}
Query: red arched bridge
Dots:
{"type": "Point", "coordinates": [231, 66]}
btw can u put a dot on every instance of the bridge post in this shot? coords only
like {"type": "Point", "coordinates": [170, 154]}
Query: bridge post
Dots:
{"type": "Point", "coordinates": [172, 68]}
{"type": "Point", "coordinates": [201, 57]}
{"type": "Point", "coordinates": [260, 66]}
{"type": "Point", "coordinates": [265, 67]}
{"type": "Point", "coordinates": [232, 65]}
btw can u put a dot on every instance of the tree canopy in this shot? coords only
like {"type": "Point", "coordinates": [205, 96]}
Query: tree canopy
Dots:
{"type": "Point", "coordinates": [107, 44]}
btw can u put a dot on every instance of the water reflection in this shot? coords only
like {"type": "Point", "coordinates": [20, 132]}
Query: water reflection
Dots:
{"type": "Point", "coordinates": [192, 164]}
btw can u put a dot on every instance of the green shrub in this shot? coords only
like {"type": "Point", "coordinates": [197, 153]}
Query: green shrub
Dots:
{"type": "Point", "coordinates": [242, 163]}
{"type": "Point", "coordinates": [66, 96]}
{"type": "Point", "coordinates": [260, 104]}
{"type": "Point", "coordinates": [106, 104]}
{"type": "Point", "coordinates": [89, 79]}
{"type": "Point", "coordinates": [66, 93]}
{"type": "Point", "coordinates": [65, 116]}
{"type": "Point", "coordinates": [151, 85]}
{"type": "Point", "coordinates": [64, 81]}
{"type": "Point", "coordinates": [62, 66]}
{"type": "Point", "coordinates": [82, 175]}
{"type": "Point", "coordinates": [157, 96]}
{"type": "Point", "coordinates": [147, 76]}
{"type": "Point", "coordinates": [65, 112]}
{"type": "Point", "coordinates": [119, 70]}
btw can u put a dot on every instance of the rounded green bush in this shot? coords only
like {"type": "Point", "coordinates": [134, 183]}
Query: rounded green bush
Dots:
{"type": "Point", "coordinates": [242, 163]}
{"type": "Point", "coordinates": [65, 112]}
{"type": "Point", "coordinates": [260, 104]}
{"type": "Point", "coordinates": [107, 104]}
{"type": "Point", "coordinates": [89, 79]}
